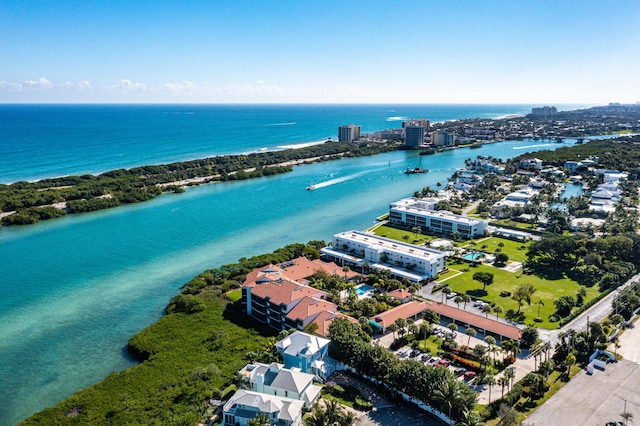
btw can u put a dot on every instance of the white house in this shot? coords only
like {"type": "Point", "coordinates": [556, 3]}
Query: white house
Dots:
{"type": "Point", "coordinates": [306, 352]}
{"type": "Point", "coordinates": [245, 405]}
{"type": "Point", "coordinates": [275, 379]}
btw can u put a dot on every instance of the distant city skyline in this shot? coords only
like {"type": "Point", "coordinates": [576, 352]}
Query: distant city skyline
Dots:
{"type": "Point", "coordinates": [426, 52]}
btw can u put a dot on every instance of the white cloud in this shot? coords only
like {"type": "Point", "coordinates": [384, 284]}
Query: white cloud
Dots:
{"type": "Point", "coordinates": [128, 86]}
{"type": "Point", "coordinates": [41, 83]}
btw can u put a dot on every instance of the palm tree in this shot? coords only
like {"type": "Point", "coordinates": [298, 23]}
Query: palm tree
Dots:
{"type": "Point", "coordinates": [332, 414]}
{"type": "Point", "coordinates": [448, 394]}
{"type": "Point", "coordinates": [626, 416]}
{"type": "Point", "coordinates": [491, 381]}
{"type": "Point", "coordinates": [261, 419]}
{"type": "Point", "coordinates": [446, 290]}
{"type": "Point", "coordinates": [491, 342]}
{"type": "Point", "coordinates": [466, 298]}
{"type": "Point", "coordinates": [503, 381]}
{"type": "Point", "coordinates": [458, 300]}
{"type": "Point", "coordinates": [486, 309]}
{"type": "Point", "coordinates": [471, 332]}
{"type": "Point", "coordinates": [498, 310]}
{"type": "Point", "coordinates": [510, 374]}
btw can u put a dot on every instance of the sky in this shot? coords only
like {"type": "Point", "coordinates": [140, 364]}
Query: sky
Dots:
{"type": "Point", "coordinates": [286, 51]}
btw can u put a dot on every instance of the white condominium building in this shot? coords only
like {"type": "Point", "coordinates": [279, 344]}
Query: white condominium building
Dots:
{"type": "Point", "coordinates": [403, 260]}
{"type": "Point", "coordinates": [411, 212]}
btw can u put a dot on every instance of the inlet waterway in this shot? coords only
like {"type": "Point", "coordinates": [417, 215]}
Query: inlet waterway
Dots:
{"type": "Point", "coordinates": [75, 289]}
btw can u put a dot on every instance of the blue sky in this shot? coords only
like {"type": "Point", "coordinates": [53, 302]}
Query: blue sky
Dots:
{"type": "Point", "coordinates": [239, 51]}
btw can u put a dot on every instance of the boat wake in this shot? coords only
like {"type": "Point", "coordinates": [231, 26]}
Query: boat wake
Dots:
{"type": "Point", "coordinates": [293, 123]}
{"type": "Point", "coordinates": [337, 180]}
{"type": "Point", "coordinates": [532, 146]}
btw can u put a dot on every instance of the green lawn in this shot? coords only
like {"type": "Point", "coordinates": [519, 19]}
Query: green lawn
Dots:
{"type": "Point", "coordinates": [514, 224]}
{"type": "Point", "coordinates": [397, 234]}
{"type": "Point", "coordinates": [511, 248]}
{"type": "Point", "coordinates": [546, 290]}
{"type": "Point", "coordinates": [235, 295]}
{"type": "Point", "coordinates": [449, 273]}
{"type": "Point", "coordinates": [431, 345]}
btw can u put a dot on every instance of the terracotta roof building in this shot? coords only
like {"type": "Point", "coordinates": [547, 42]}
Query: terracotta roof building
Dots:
{"type": "Point", "coordinates": [485, 325]}
{"type": "Point", "coordinates": [278, 295]}
{"type": "Point", "coordinates": [411, 309]}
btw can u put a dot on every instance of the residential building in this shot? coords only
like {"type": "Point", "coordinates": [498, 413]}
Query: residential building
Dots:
{"type": "Point", "coordinates": [246, 405]}
{"type": "Point", "coordinates": [272, 297]}
{"type": "Point", "coordinates": [412, 212]}
{"type": "Point", "coordinates": [306, 352]}
{"type": "Point", "coordinates": [414, 136]}
{"type": "Point", "coordinates": [482, 133]}
{"type": "Point", "coordinates": [421, 122]}
{"type": "Point", "coordinates": [401, 295]}
{"type": "Point", "coordinates": [545, 111]}
{"type": "Point", "coordinates": [348, 133]}
{"type": "Point", "coordinates": [355, 248]}
{"type": "Point", "coordinates": [276, 379]}
{"type": "Point", "coordinates": [442, 138]}
{"type": "Point", "coordinates": [531, 164]}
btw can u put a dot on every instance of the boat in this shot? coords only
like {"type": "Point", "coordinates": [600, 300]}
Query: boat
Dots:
{"type": "Point", "coordinates": [311, 187]}
{"type": "Point", "coordinates": [416, 170]}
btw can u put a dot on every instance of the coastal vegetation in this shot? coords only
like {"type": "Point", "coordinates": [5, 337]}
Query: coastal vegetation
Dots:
{"type": "Point", "coordinates": [30, 202]}
{"type": "Point", "coordinates": [188, 357]}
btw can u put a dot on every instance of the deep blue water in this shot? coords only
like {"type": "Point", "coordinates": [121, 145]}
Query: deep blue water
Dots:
{"type": "Point", "coordinates": [76, 288]}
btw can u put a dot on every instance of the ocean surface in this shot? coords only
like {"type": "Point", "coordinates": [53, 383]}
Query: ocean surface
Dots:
{"type": "Point", "coordinates": [75, 289]}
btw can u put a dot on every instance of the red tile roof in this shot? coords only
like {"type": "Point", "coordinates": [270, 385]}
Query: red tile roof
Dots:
{"type": "Point", "coordinates": [477, 321]}
{"type": "Point", "coordinates": [309, 307]}
{"type": "Point", "coordinates": [406, 310]}
{"type": "Point", "coordinates": [284, 291]}
{"type": "Point", "coordinates": [324, 320]}
{"type": "Point", "coordinates": [399, 294]}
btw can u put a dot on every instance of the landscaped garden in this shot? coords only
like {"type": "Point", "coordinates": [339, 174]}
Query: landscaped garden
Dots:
{"type": "Point", "coordinates": [504, 286]}
{"type": "Point", "coordinates": [513, 249]}
{"type": "Point", "coordinates": [402, 235]}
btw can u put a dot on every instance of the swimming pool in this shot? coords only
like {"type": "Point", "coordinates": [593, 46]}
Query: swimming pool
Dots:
{"type": "Point", "coordinates": [364, 289]}
{"type": "Point", "coordinates": [473, 255]}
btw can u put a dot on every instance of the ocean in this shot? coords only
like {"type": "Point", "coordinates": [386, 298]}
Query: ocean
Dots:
{"type": "Point", "coordinates": [75, 289]}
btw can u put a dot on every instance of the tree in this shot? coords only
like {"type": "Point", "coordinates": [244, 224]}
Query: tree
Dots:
{"type": "Point", "coordinates": [503, 381]}
{"type": "Point", "coordinates": [498, 310]}
{"type": "Point", "coordinates": [569, 361]}
{"type": "Point", "coordinates": [393, 327]}
{"type": "Point", "coordinates": [501, 259]}
{"type": "Point", "coordinates": [466, 298]}
{"type": "Point", "coordinates": [529, 336]}
{"type": "Point", "coordinates": [458, 300]}
{"type": "Point", "coordinates": [471, 332]}
{"type": "Point", "coordinates": [431, 317]}
{"type": "Point", "coordinates": [332, 414]}
{"type": "Point", "coordinates": [491, 344]}
{"type": "Point", "coordinates": [416, 231]}
{"type": "Point", "coordinates": [522, 293]}
{"type": "Point", "coordinates": [486, 309]}
{"type": "Point", "coordinates": [447, 394]}
{"type": "Point", "coordinates": [564, 305]}
{"type": "Point", "coordinates": [508, 415]}
{"type": "Point", "coordinates": [453, 327]}
{"type": "Point", "coordinates": [485, 278]}
{"type": "Point", "coordinates": [261, 419]}
{"type": "Point", "coordinates": [446, 290]}
{"type": "Point", "coordinates": [425, 330]}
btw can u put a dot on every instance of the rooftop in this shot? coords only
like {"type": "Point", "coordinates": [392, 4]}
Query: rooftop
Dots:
{"type": "Point", "coordinates": [407, 310]}
{"type": "Point", "coordinates": [478, 321]}
{"type": "Point", "coordinates": [390, 245]}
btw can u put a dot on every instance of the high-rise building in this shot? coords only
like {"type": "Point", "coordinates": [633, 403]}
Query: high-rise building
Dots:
{"type": "Point", "coordinates": [414, 135]}
{"type": "Point", "coordinates": [442, 138]}
{"type": "Point", "coordinates": [545, 111]}
{"type": "Point", "coordinates": [348, 133]}
{"type": "Point", "coordinates": [421, 122]}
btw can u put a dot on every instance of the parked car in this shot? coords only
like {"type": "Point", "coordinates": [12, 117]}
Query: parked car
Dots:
{"type": "Point", "coordinates": [433, 361]}
{"type": "Point", "coordinates": [425, 357]}
{"type": "Point", "coordinates": [442, 363]}
{"type": "Point", "coordinates": [452, 295]}
{"type": "Point", "coordinates": [459, 371]}
{"type": "Point", "coordinates": [469, 375]}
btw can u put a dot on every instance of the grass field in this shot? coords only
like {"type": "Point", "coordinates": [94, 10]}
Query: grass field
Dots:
{"type": "Point", "coordinates": [510, 247]}
{"type": "Point", "coordinates": [546, 291]}
{"type": "Point", "coordinates": [235, 295]}
{"type": "Point", "coordinates": [397, 234]}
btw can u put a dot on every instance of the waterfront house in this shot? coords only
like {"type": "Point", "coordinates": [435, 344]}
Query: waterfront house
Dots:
{"type": "Point", "coordinates": [246, 405]}
{"type": "Point", "coordinates": [306, 352]}
{"type": "Point", "coordinates": [275, 379]}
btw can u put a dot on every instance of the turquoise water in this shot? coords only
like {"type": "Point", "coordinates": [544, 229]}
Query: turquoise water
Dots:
{"type": "Point", "coordinates": [75, 289]}
{"type": "Point", "coordinates": [363, 289]}
{"type": "Point", "coordinates": [571, 190]}
{"type": "Point", "coordinates": [474, 255]}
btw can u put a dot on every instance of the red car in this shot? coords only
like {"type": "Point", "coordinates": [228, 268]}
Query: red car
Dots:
{"type": "Point", "coordinates": [469, 375]}
{"type": "Point", "coordinates": [442, 363]}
